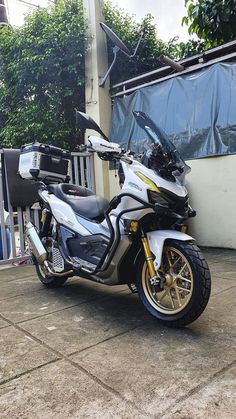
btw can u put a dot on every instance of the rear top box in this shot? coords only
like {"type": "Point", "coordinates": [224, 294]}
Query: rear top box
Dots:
{"type": "Point", "coordinates": [42, 161]}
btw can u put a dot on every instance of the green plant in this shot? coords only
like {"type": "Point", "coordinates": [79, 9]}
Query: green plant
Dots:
{"type": "Point", "coordinates": [128, 30]}
{"type": "Point", "coordinates": [213, 21]}
{"type": "Point", "coordinates": [43, 76]}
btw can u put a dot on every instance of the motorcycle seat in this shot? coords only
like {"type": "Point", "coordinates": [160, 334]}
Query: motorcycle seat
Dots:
{"type": "Point", "coordinates": [82, 200]}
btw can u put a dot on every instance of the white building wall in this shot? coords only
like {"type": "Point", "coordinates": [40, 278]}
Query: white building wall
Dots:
{"type": "Point", "coordinates": [212, 189]}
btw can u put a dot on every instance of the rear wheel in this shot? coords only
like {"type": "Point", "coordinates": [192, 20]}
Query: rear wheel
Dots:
{"type": "Point", "coordinates": [187, 285]}
{"type": "Point", "coordinates": [49, 281]}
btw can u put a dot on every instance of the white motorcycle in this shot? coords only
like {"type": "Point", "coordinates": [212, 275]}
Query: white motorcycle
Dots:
{"type": "Point", "coordinates": [138, 238]}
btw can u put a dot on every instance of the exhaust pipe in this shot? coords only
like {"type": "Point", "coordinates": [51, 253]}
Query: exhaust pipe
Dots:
{"type": "Point", "coordinates": [40, 252]}
{"type": "Point", "coordinates": [50, 272]}
{"type": "Point", "coordinates": [35, 243]}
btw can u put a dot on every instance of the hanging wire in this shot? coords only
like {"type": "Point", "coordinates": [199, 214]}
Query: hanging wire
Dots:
{"type": "Point", "coordinates": [28, 3]}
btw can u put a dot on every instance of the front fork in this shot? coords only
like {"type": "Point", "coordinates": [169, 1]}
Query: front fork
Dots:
{"type": "Point", "coordinates": [155, 278]}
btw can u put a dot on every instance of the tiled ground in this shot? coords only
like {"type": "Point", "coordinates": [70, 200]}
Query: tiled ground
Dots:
{"type": "Point", "coordinates": [90, 351]}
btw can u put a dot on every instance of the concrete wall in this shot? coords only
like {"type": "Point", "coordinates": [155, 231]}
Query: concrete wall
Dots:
{"type": "Point", "coordinates": [212, 188]}
{"type": "Point", "coordinates": [98, 101]}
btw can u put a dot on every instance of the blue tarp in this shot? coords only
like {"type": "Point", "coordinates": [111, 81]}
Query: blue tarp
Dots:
{"type": "Point", "coordinates": [197, 111]}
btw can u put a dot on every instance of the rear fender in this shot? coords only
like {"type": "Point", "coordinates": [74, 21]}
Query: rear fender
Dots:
{"type": "Point", "coordinates": [157, 239]}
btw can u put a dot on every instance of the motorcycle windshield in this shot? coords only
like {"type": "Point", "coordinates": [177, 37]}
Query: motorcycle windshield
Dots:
{"type": "Point", "coordinates": [160, 153]}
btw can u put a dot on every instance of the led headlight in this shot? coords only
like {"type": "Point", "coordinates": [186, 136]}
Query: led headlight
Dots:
{"type": "Point", "coordinates": [157, 198]}
{"type": "Point", "coordinates": [147, 181]}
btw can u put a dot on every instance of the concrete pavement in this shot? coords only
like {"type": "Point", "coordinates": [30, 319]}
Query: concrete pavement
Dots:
{"type": "Point", "coordinates": [92, 351]}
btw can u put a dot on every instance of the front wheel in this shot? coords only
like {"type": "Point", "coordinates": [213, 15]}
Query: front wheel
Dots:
{"type": "Point", "coordinates": [187, 285]}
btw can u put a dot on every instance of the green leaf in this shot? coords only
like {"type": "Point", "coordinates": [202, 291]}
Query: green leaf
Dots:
{"type": "Point", "coordinates": [43, 76]}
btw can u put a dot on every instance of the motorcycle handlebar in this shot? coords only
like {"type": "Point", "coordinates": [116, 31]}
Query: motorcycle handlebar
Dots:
{"type": "Point", "coordinates": [108, 156]}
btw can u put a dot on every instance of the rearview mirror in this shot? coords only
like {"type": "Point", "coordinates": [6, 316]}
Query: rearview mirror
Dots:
{"type": "Point", "coordinates": [85, 121]}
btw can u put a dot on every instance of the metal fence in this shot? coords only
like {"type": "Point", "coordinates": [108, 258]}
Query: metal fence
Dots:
{"type": "Point", "coordinates": [13, 248]}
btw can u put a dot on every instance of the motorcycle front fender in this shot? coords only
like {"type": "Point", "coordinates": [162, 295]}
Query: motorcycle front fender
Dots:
{"type": "Point", "coordinates": [157, 239]}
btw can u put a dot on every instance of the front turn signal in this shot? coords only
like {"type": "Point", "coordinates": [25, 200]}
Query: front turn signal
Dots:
{"type": "Point", "coordinates": [184, 229]}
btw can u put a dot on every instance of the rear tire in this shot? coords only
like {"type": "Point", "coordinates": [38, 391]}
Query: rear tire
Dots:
{"type": "Point", "coordinates": [49, 282]}
{"type": "Point", "coordinates": [187, 285]}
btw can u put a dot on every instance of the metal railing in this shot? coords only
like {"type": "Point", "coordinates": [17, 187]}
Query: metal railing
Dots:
{"type": "Point", "coordinates": [13, 248]}
{"type": "Point", "coordinates": [225, 52]}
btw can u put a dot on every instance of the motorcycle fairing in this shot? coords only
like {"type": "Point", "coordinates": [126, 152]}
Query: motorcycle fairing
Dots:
{"type": "Point", "coordinates": [157, 239]}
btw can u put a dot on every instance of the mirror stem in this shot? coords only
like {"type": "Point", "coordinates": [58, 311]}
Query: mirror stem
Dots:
{"type": "Point", "coordinates": [102, 80]}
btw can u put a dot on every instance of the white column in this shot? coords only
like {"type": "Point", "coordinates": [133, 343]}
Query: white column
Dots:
{"type": "Point", "coordinates": [3, 13]}
{"type": "Point", "coordinates": [98, 102]}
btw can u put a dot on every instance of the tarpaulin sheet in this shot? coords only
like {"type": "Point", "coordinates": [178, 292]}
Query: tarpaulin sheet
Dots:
{"type": "Point", "coordinates": [197, 111]}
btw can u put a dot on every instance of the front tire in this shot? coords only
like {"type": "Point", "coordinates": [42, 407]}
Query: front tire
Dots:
{"type": "Point", "coordinates": [187, 285]}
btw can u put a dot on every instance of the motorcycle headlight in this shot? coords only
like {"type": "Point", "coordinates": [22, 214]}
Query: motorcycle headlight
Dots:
{"type": "Point", "coordinates": [152, 186]}
{"type": "Point", "coordinates": [158, 198]}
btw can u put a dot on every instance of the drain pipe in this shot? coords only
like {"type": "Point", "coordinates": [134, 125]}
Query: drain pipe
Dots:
{"type": "Point", "coordinates": [168, 61]}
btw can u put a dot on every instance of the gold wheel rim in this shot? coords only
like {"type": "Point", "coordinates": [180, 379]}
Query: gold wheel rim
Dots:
{"type": "Point", "coordinates": [178, 283]}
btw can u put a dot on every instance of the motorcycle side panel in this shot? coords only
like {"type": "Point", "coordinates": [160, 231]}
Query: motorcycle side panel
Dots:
{"type": "Point", "coordinates": [88, 248]}
{"type": "Point", "coordinates": [64, 214]}
{"type": "Point", "coordinates": [157, 239]}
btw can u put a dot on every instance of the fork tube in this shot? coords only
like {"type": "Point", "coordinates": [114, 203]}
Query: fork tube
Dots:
{"type": "Point", "coordinates": [148, 257]}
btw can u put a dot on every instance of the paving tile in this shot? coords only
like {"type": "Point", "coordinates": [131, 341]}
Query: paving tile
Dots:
{"type": "Point", "coordinates": [60, 391]}
{"type": "Point", "coordinates": [219, 285]}
{"type": "Point", "coordinates": [218, 255]}
{"type": "Point", "coordinates": [155, 371]}
{"type": "Point", "coordinates": [214, 401]}
{"type": "Point", "coordinates": [3, 324]}
{"type": "Point", "coordinates": [88, 324]}
{"type": "Point", "coordinates": [156, 366]}
{"type": "Point", "coordinates": [224, 269]}
{"type": "Point", "coordinates": [152, 366]}
{"type": "Point", "coordinates": [15, 272]}
{"type": "Point", "coordinates": [30, 305]}
{"type": "Point", "coordinates": [220, 314]}
{"type": "Point", "coordinates": [30, 285]}
{"type": "Point", "coordinates": [4, 267]}
{"type": "Point", "coordinates": [221, 261]}
{"type": "Point", "coordinates": [19, 286]}
{"type": "Point", "coordinates": [19, 353]}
